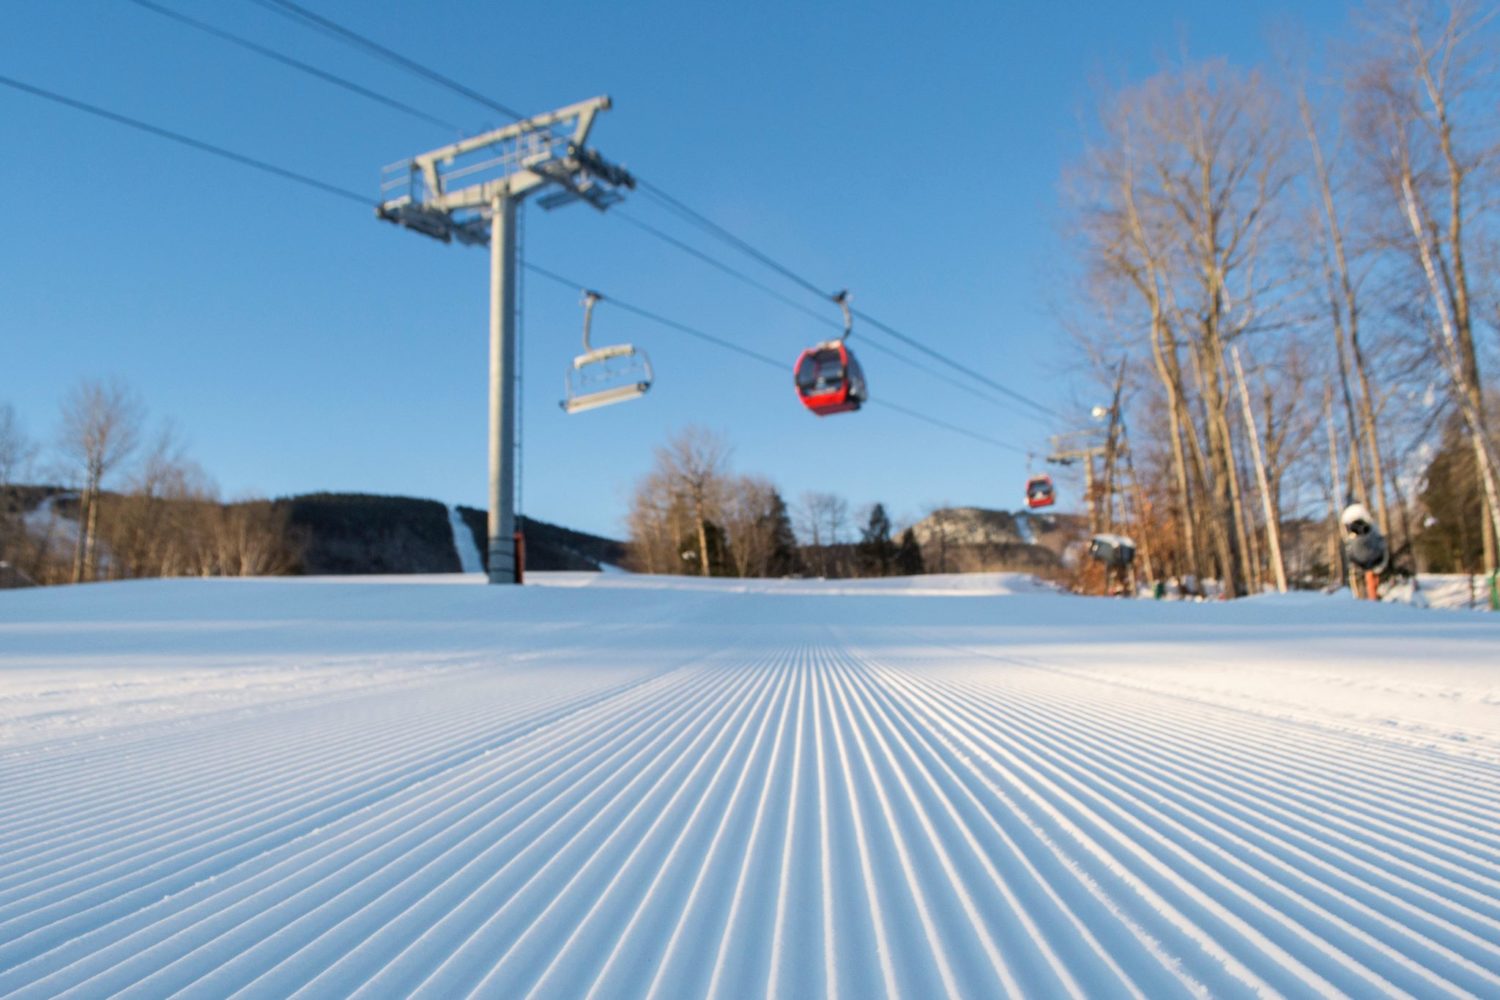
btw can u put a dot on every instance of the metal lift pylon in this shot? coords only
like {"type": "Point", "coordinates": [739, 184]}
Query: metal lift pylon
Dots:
{"type": "Point", "coordinates": [547, 154]}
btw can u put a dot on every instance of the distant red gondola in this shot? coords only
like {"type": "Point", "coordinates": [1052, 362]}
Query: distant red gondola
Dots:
{"type": "Point", "coordinates": [1039, 492]}
{"type": "Point", "coordinates": [829, 379]}
{"type": "Point", "coordinates": [827, 376]}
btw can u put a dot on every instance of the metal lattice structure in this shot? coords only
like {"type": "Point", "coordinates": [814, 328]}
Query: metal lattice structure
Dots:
{"type": "Point", "coordinates": [468, 191]}
{"type": "Point", "coordinates": [448, 193]}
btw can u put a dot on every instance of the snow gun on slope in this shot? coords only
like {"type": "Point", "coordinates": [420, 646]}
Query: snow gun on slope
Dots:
{"type": "Point", "coordinates": [1364, 546]}
{"type": "Point", "coordinates": [1117, 553]}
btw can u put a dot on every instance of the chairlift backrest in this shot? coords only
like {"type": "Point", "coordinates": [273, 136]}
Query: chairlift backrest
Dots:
{"type": "Point", "coordinates": [606, 354]}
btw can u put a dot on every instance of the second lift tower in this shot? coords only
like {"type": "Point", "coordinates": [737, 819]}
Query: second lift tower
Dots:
{"type": "Point", "coordinates": [468, 191]}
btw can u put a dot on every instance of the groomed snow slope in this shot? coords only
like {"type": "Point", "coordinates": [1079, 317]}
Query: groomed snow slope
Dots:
{"type": "Point", "coordinates": [617, 786]}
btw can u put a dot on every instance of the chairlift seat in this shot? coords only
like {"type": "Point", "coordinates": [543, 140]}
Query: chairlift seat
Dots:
{"type": "Point", "coordinates": [606, 375]}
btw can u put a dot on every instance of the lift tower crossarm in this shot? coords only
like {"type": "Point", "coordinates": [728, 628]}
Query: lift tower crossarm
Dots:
{"type": "Point", "coordinates": [424, 194]}
{"type": "Point", "coordinates": [468, 191]}
{"type": "Point", "coordinates": [581, 114]}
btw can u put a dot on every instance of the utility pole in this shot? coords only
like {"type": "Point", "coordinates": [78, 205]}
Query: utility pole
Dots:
{"type": "Point", "coordinates": [1116, 448]}
{"type": "Point", "coordinates": [1111, 449]}
{"type": "Point", "coordinates": [1142, 534]}
{"type": "Point", "coordinates": [500, 169]}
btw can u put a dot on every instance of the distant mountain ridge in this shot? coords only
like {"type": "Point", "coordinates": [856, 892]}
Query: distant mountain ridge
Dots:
{"type": "Point", "coordinates": [979, 539]}
{"type": "Point", "coordinates": [550, 547]}
{"type": "Point", "coordinates": [346, 533]}
{"type": "Point", "coordinates": [336, 534]}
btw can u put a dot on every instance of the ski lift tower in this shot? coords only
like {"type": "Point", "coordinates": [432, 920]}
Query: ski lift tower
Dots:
{"type": "Point", "coordinates": [468, 191]}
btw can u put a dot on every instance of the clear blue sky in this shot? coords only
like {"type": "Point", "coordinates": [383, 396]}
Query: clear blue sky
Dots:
{"type": "Point", "coordinates": [911, 152]}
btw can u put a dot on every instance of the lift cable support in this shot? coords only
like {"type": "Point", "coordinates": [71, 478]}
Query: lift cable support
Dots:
{"type": "Point", "coordinates": [297, 64]}
{"type": "Point", "coordinates": [351, 195]}
{"type": "Point", "coordinates": [765, 359]}
{"type": "Point", "coordinates": [1035, 408]}
{"type": "Point", "coordinates": [468, 191]}
{"type": "Point", "coordinates": [300, 14]}
{"type": "Point", "coordinates": [820, 317]}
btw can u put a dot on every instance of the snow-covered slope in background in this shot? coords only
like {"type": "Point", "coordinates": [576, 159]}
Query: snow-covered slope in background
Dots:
{"type": "Point", "coordinates": [622, 786]}
{"type": "Point", "coordinates": [469, 560]}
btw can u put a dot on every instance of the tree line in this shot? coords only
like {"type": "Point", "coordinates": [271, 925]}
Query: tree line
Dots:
{"type": "Point", "coordinates": [129, 502]}
{"type": "Point", "coordinates": [691, 514]}
{"type": "Point", "coordinates": [1294, 275]}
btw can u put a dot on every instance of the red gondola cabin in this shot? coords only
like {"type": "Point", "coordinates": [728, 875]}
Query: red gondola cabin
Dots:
{"type": "Point", "coordinates": [1039, 492]}
{"type": "Point", "coordinates": [829, 379]}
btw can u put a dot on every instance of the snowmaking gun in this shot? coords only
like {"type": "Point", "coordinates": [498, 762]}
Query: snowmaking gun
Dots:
{"type": "Point", "coordinates": [1364, 546]}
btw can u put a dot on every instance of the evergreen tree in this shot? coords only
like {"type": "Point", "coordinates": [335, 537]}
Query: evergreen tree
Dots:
{"type": "Point", "coordinates": [877, 552]}
{"type": "Point", "coordinates": [713, 541]}
{"type": "Point", "coordinates": [909, 555]}
{"type": "Point", "coordinates": [785, 559]}
{"type": "Point", "coordinates": [1452, 540]}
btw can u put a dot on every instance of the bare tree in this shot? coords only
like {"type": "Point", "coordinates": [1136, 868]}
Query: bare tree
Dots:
{"type": "Point", "coordinates": [157, 524]}
{"type": "Point", "coordinates": [824, 521]}
{"type": "Point", "coordinates": [683, 497]}
{"type": "Point", "coordinates": [1177, 209]}
{"type": "Point", "coordinates": [806, 517]}
{"type": "Point", "coordinates": [249, 538]}
{"type": "Point", "coordinates": [17, 451]}
{"type": "Point", "coordinates": [1344, 312]}
{"type": "Point", "coordinates": [749, 520]}
{"type": "Point", "coordinates": [695, 463]}
{"type": "Point", "coordinates": [1433, 61]}
{"type": "Point", "coordinates": [655, 526]}
{"type": "Point", "coordinates": [101, 425]}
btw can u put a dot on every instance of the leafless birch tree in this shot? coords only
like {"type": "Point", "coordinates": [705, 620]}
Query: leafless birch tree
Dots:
{"type": "Point", "coordinates": [101, 426]}
{"type": "Point", "coordinates": [1177, 201]}
{"type": "Point", "coordinates": [1424, 105]}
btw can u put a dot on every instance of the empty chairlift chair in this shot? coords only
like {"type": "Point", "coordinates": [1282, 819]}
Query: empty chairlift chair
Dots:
{"type": "Point", "coordinates": [827, 375]}
{"type": "Point", "coordinates": [604, 375]}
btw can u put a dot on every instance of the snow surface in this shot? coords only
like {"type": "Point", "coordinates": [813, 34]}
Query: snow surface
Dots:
{"type": "Point", "coordinates": [614, 785]}
{"type": "Point", "coordinates": [469, 560]}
